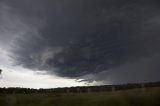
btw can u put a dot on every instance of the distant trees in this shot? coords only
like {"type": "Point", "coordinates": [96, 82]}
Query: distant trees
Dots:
{"type": "Point", "coordinates": [0, 71]}
{"type": "Point", "coordinates": [85, 89]}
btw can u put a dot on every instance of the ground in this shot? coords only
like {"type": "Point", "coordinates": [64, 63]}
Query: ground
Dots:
{"type": "Point", "coordinates": [135, 97]}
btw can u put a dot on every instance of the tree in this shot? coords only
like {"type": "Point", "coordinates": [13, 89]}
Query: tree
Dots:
{"type": "Point", "coordinates": [0, 73]}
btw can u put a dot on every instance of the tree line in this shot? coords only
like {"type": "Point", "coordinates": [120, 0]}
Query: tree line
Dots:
{"type": "Point", "coordinates": [83, 89]}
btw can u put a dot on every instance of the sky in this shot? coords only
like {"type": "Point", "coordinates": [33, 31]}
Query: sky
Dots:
{"type": "Point", "coordinates": [63, 43]}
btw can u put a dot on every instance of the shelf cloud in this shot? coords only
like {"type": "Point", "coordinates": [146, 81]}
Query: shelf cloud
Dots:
{"type": "Point", "coordinates": [78, 38]}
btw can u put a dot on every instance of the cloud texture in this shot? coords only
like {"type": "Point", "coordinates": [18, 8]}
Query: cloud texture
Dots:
{"type": "Point", "coordinates": [77, 38]}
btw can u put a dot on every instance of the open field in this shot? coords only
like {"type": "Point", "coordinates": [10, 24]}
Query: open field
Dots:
{"type": "Point", "coordinates": [134, 97]}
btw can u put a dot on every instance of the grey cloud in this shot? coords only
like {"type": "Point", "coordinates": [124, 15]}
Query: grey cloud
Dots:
{"type": "Point", "coordinates": [88, 37]}
{"type": "Point", "coordinates": [14, 25]}
{"type": "Point", "coordinates": [143, 70]}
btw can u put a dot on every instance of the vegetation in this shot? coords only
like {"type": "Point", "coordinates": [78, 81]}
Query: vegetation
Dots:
{"type": "Point", "coordinates": [134, 97]}
{"type": "Point", "coordinates": [85, 89]}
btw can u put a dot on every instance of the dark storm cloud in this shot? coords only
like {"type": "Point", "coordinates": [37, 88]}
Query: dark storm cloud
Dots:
{"type": "Point", "coordinates": [87, 36]}
{"type": "Point", "coordinates": [143, 70]}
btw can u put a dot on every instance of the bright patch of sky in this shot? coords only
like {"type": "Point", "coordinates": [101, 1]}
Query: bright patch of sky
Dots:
{"type": "Point", "coordinates": [17, 76]}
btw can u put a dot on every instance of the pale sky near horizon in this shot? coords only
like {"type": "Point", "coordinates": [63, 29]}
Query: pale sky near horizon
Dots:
{"type": "Point", "coordinates": [17, 76]}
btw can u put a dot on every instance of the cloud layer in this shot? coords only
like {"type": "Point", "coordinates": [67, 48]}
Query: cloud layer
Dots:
{"type": "Point", "coordinates": [78, 38]}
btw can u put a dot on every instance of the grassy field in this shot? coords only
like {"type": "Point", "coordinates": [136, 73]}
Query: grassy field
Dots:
{"type": "Point", "coordinates": [136, 97]}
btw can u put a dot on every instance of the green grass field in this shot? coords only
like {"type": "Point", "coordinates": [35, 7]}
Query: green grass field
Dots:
{"type": "Point", "coordinates": [136, 97]}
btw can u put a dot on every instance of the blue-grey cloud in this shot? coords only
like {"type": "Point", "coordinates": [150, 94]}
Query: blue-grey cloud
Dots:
{"type": "Point", "coordinates": [86, 37]}
{"type": "Point", "coordinates": [143, 70]}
